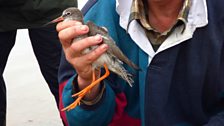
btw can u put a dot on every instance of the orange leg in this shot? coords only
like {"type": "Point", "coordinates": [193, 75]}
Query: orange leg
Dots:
{"type": "Point", "coordinates": [77, 102]}
{"type": "Point", "coordinates": [82, 93]}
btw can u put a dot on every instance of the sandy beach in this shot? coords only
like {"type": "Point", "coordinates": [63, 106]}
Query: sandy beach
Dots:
{"type": "Point", "coordinates": [29, 101]}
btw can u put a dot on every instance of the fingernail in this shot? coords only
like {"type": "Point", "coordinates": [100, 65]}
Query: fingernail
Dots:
{"type": "Point", "coordinates": [98, 38]}
{"type": "Point", "coordinates": [83, 28]}
{"type": "Point", "coordinates": [104, 46]}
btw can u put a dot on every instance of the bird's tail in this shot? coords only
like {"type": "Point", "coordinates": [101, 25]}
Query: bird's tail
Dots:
{"type": "Point", "coordinates": [123, 73]}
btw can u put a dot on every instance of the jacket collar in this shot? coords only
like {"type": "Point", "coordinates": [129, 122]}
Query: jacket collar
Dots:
{"type": "Point", "coordinates": [197, 16]}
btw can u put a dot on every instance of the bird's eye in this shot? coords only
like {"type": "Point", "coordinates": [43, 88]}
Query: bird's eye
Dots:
{"type": "Point", "coordinates": [68, 13]}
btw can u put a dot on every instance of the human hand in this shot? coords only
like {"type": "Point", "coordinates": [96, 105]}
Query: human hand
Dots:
{"type": "Point", "coordinates": [82, 63]}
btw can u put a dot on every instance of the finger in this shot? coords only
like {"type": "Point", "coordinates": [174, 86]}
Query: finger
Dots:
{"type": "Point", "coordinates": [82, 44]}
{"type": "Point", "coordinates": [77, 47]}
{"type": "Point", "coordinates": [83, 62]}
{"type": "Point", "coordinates": [62, 25]}
{"type": "Point", "coordinates": [67, 35]}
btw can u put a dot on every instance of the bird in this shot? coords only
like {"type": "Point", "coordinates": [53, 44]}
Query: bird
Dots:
{"type": "Point", "coordinates": [112, 60]}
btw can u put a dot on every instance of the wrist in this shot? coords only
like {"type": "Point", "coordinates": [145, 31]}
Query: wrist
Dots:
{"type": "Point", "coordinates": [83, 83]}
{"type": "Point", "coordinates": [95, 100]}
{"type": "Point", "coordinates": [92, 98]}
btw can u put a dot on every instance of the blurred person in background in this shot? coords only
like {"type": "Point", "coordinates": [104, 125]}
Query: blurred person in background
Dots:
{"type": "Point", "coordinates": [31, 15]}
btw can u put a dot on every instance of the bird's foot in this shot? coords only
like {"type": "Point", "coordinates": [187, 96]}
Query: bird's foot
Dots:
{"type": "Point", "coordinates": [73, 105]}
{"type": "Point", "coordinates": [86, 90]}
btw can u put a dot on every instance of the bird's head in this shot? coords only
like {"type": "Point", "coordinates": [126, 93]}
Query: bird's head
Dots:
{"type": "Point", "coordinates": [71, 13]}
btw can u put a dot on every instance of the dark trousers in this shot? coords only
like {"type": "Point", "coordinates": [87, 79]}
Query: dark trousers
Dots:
{"type": "Point", "coordinates": [47, 50]}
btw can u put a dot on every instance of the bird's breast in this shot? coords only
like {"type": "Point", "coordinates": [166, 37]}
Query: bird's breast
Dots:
{"type": "Point", "coordinates": [103, 59]}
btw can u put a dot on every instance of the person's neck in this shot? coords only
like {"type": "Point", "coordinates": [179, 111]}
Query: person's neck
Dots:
{"type": "Point", "coordinates": [163, 13]}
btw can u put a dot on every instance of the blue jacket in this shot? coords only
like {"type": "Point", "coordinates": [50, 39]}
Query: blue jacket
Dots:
{"type": "Point", "coordinates": [182, 86]}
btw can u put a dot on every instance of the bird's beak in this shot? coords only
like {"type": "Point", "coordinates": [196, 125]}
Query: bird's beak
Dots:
{"type": "Point", "coordinates": [59, 19]}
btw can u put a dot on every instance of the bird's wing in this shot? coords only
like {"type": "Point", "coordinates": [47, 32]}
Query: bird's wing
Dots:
{"type": "Point", "coordinates": [94, 29]}
{"type": "Point", "coordinates": [113, 50]}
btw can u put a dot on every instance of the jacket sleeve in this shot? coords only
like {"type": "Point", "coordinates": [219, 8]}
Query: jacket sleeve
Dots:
{"type": "Point", "coordinates": [99, 115]}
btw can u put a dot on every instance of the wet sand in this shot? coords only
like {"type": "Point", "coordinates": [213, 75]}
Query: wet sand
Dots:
{"type": "Point", "coordinates": [30, 102]}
